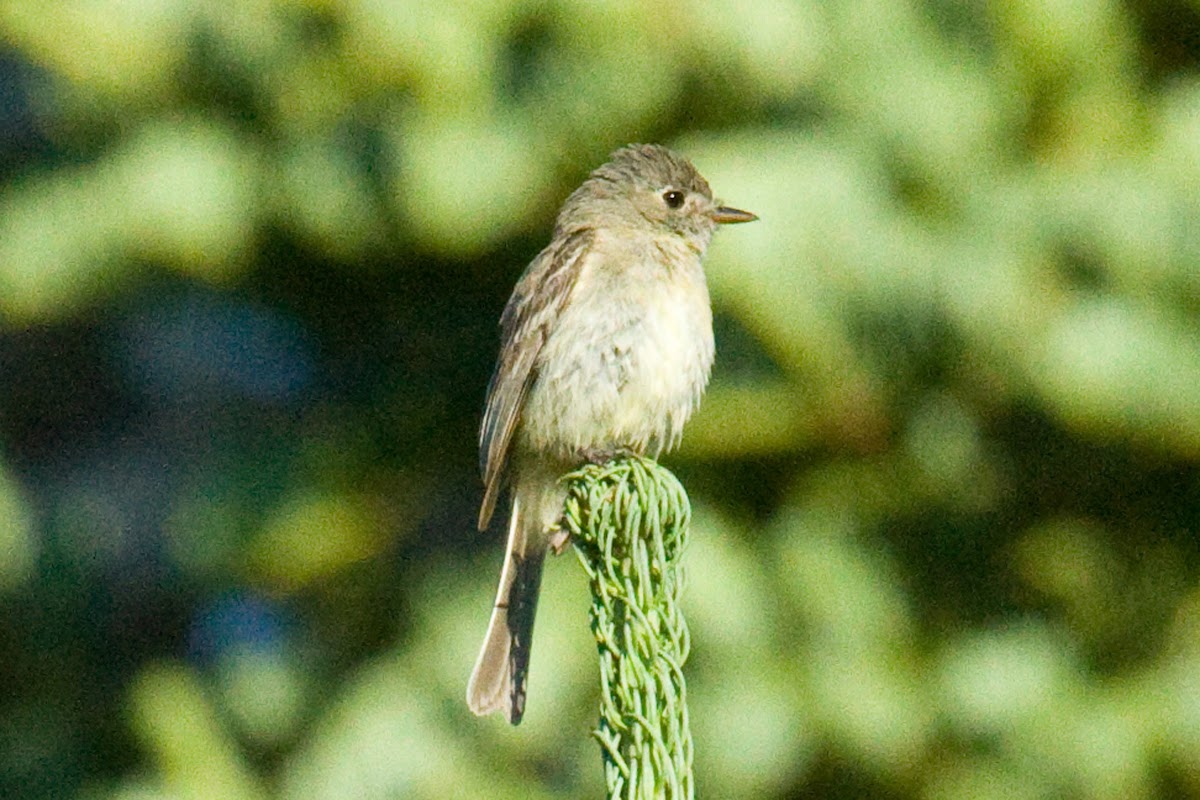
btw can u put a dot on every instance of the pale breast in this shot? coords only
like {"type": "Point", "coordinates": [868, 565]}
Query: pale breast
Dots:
{"type": "Point", "coordinates": [629, 357]}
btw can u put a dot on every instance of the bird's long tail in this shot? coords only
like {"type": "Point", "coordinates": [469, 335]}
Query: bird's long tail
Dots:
{"type": "Point", "coordinates": [499, 679]}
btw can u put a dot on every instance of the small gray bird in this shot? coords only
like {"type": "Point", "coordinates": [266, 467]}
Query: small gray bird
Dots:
{"type": "Point", "coordinates": [606, 347]}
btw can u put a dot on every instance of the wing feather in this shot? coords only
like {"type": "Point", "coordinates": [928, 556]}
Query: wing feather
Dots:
{"type": "Point", "coordinates": [528, 319]}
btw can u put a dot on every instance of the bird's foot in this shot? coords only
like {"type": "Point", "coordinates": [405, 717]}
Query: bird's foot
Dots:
{"type": "Point", "coordinates": [560, 537]}
{"type": "Point", "coordinates": [603, 455]}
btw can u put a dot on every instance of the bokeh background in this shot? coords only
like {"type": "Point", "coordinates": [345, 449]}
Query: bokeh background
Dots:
{"type": "Point", "coordinates": [946, 479]}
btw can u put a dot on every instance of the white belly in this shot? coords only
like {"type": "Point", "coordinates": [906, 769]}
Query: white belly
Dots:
{"type": "Point", "coordinates": [625, 365]}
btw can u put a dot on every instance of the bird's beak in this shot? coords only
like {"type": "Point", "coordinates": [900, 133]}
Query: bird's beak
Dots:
{"type": "Point", "coordinates": [724, 215]}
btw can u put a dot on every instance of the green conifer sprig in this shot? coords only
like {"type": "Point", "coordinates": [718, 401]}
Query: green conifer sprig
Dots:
{"type": "Point", "coordinates": [629, 521]}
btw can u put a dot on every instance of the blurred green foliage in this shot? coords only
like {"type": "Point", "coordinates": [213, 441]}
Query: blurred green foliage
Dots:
{"type": "Point", "coordinates": [252, 256]}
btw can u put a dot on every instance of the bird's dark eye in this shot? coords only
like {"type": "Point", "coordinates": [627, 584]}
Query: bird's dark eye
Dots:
{"type": "Point", "coordinates": [673, 198]}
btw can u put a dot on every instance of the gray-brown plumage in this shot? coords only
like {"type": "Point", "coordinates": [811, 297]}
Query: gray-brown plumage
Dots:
{"type": "Point", "coordinates": [606, 347]}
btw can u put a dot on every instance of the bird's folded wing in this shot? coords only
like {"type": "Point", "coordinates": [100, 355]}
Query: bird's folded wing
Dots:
{"type": "Point", "coordinates": [528, 320]}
